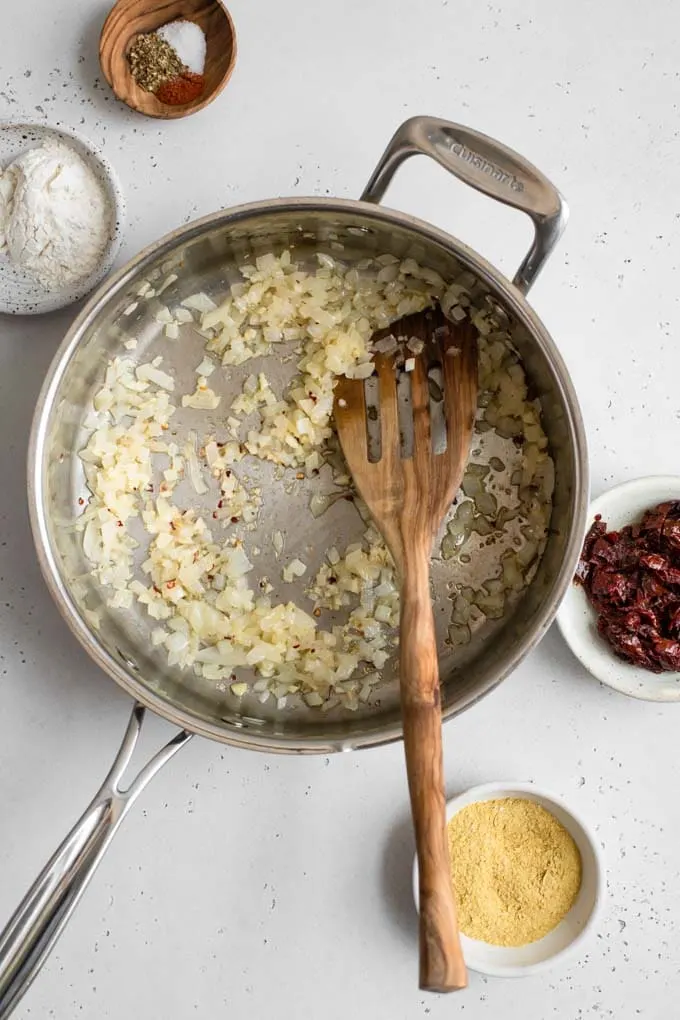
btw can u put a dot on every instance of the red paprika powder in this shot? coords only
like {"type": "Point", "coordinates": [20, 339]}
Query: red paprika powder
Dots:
{"type": "Point", "coordinates": [185, 88]}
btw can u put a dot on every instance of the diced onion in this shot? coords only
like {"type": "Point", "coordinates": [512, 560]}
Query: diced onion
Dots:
{"type": "Point", "coordinates": [203, 398]}
{"type": "Point", "coordinates": [195, 473]}
{"type": "Point", "coordinates": [209, 610]}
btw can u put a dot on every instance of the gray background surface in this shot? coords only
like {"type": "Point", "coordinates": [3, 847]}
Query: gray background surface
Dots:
{"type": "Point", "coordinates": [251, 886]}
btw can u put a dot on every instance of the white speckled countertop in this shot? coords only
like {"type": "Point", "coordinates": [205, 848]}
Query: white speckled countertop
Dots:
{"type": "Point", "coordinates": [248, 886]}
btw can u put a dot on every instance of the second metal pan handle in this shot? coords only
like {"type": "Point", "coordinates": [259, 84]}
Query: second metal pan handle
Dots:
{"type": "Point", "coordinates": [488, 166]}
{"type": "Point", "coordinates": [40, 917]}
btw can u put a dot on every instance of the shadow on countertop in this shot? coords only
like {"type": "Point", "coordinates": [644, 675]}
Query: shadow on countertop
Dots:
{"type": "Point", "coordinates": [397, 880]}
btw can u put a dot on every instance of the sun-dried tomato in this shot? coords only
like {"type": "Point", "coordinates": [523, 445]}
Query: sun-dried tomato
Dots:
{"type": "Point", "coordinates": [632, 579]}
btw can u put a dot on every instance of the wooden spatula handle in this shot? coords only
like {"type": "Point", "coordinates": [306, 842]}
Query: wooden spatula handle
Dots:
{"type": "Point", "coordinates": [442, 968]}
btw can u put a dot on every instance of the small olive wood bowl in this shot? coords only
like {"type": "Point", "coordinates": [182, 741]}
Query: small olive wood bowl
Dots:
{"type": "Point", "coordinates": [130, 18]}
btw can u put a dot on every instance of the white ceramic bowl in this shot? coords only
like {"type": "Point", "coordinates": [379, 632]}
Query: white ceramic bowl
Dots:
{"type": "Point", "coordinates": [19, 294]}
{"type": "Point", "coordinates": [577, 619]}
{"type": "Point", "coordinates": [564, 940]}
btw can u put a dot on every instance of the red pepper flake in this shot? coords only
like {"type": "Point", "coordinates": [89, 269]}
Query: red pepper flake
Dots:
{"type": "Point", "coordinates": [170, 584]}
{"type": "Point", "coordinates": [183, 89]}
{"type": "Point", "coordinates": [119, 524]}
{"type": "Point", "coordinates": [81, 501]}
{"type": "Point", "coordinates": [234, 520]}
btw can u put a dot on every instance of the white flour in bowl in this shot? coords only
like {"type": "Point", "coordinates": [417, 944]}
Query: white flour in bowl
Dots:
{"type": "Point", "coordinates": [55, 216]}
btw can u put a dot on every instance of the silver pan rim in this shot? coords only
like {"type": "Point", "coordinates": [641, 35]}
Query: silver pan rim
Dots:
{"type": "Point", "coordinates": [86, 636]}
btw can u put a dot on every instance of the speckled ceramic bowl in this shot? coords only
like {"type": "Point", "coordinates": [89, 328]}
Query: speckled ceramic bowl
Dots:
{"type": "Point", "coordinates": [19, 293]}
{"type": "Point", "coordinates": [563, 941]}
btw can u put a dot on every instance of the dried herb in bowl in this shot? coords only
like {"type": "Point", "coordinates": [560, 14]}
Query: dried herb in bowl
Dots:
{"type": "Point", "coordinates": [632, 579]}
{"type": "Point", "coordinates": [153, 61]}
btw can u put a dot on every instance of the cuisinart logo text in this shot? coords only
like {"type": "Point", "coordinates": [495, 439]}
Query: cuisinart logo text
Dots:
{"type": "Point", "coordinates": [483, 164]}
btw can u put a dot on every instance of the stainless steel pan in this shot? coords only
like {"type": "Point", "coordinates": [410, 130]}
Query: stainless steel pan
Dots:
{"type": "Point", "coordinates": [205, 255]}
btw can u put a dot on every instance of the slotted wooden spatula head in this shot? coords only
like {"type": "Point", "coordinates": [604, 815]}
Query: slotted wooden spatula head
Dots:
{"type": "Point", "coordinates": [408, 491]}
{"type": "Point", "coordinates": [408, 496]}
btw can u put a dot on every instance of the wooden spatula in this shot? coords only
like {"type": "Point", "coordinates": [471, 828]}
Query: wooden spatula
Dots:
{"type": "Point", "coordinates": [408, 498]}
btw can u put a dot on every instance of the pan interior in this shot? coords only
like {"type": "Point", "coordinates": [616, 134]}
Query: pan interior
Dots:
{"type": "Point", "coordinates": [206, 258]}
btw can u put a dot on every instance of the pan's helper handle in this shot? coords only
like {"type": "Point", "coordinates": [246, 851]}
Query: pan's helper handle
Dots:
{"type": "Point", "coordinates": [38, 921]}
{"type": "Point", "coordinates": [488, 166]}
{"type": "Point", "coordinates": [442, 967]}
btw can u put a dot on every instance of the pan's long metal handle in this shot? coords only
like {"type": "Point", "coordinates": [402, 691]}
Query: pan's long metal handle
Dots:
{"type": "Point", "coordinates": [38, 921]}
{"type": "Point", "coordinates": [488, 166]}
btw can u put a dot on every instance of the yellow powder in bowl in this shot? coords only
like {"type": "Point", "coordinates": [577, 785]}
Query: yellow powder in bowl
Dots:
{"type": "Point", "coordinates": [516, 870]}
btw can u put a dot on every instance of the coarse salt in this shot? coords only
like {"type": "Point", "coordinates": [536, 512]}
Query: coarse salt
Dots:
{"type": "Point", "coordinates": [188, 42]}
